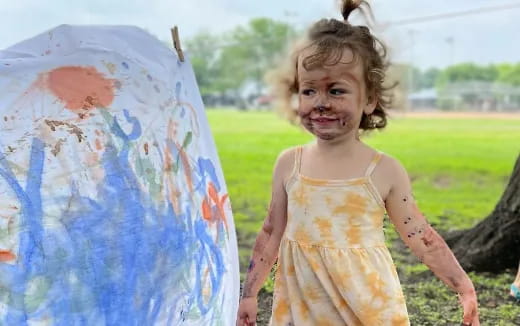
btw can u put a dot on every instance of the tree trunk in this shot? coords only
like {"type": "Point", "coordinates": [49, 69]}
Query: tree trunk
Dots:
{"type": "Point", "coordinates": [493, 244]}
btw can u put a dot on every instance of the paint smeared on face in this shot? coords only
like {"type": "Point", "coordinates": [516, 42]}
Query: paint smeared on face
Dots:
{"type": "Point", "coordinates": [331, 97]}
{"type": "Point", "coordinates": [57, 147]}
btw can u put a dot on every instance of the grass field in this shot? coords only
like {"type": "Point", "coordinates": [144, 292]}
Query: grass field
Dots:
{"type": "Point", "coordinates": [459, 167]}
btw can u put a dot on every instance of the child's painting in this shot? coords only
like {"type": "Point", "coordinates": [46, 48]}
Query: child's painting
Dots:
{"type": "Point", "coordinates": [113, 206]}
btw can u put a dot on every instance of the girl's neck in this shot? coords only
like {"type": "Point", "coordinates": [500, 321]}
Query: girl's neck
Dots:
{"type": "Point", "coordinates": [338, 147]}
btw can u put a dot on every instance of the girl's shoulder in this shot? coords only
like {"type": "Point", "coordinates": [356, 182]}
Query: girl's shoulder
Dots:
{"type": "Point", "coordinates": [286, 162]}
{"type": "Point", "coordinates": [288, 155]}
{"type": "Point", "coordinates": [389, 170]}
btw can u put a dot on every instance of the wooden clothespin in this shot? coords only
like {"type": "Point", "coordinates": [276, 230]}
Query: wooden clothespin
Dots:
{"type": "Point", "coordinates": [177, 43]}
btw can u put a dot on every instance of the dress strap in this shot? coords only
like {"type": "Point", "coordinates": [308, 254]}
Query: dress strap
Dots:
{"type": "Point", "coordinates": [373, 164]}
{"type": "Point", "coordinates": [296, 167]}
{"type": "Point", "coordinates": [297, 160]}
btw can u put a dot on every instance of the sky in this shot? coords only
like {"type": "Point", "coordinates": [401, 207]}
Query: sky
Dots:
{"type": "Point", "coordinates": [484, 38]}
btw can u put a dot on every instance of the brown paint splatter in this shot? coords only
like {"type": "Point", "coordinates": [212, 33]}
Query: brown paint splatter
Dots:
{"type": "Point", "coordinates": [146, 148]}
{"type": "Point", "coordinates": [73, 130]}
{"type": "Point", "coordinates": [57, 147]}
{"type": "Point", "coordinates": [79, 88]}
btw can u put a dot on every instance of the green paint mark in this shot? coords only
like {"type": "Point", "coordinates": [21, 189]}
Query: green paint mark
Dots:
{"type": "Point", "coordinates": [187, 139]}
{"type": "Point", "coordinates": [146, 170]}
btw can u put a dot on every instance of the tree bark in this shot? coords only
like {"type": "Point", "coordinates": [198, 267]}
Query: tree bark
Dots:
{"type": "Point", "coordinates": [493, 244]}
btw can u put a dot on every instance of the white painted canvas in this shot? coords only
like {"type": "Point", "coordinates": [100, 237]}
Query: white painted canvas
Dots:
{"type": "Point", "coordinates": [113, 205]}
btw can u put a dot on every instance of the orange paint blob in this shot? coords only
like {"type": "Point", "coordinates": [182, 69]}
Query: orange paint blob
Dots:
{"type": "Point", "coordinates": [206, 210]}
{"type": "Point", "coordinates": [213, 193]}
{"type": "Point", "coordinates": [6, 255]}
{"type": "Point", "coordinates": [219, 203]}
{"type": "Point", "coordinates": [80, 88]}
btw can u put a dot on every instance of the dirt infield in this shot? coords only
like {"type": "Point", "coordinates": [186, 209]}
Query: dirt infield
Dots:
{"type": "Point", "coordinates": [456, 115]}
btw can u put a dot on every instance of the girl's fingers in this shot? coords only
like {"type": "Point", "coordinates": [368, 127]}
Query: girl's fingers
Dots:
{"type": "Point", "coordinates": [470, 317]}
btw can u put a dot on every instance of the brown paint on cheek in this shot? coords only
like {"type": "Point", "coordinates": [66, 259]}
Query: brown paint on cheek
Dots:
{"type": "Point", "coordinates": [79, 88]}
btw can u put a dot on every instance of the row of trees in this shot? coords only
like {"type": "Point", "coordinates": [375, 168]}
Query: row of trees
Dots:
{"type": "Point", "coordinates": [224, 63]}
{"type": "Point", "coordinates": [434, 77]}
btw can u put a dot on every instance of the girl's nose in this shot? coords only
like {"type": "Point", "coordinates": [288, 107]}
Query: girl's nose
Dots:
{"type": "Point", "coordinates": [321, 103]}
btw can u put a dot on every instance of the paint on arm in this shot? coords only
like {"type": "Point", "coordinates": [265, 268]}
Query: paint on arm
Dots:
{"type": "Point", "coordinates": [265, 250]}
{"type": "Point", "coordinates": [421, 237]}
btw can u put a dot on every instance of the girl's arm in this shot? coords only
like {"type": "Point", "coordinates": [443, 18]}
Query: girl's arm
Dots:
{"type": "Point", "coordinates": [267, 243]}
{"type": "Point", "coordinates": [425, 242]}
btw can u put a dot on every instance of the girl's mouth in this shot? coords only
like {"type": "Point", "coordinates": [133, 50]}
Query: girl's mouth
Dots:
{"type": "Point", "coordinates": [323, 120]}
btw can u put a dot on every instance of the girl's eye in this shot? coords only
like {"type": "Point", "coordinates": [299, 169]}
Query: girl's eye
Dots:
{"type": "Point", "coordinates": [337, 91]}
{"type": "Point", "coordinates": [308, 92]}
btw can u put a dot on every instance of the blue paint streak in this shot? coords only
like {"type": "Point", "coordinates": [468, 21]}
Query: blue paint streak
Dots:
{"type": "Point", "coordinates": [178, 87]}
{"type": "Point", "coordinates": [116, 259]}
{"type": "Point", "coordinates": [205, 168]}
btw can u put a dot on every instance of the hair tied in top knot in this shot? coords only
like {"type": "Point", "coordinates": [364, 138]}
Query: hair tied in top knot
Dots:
{"type": "Point", "coordinates": [348, 6]}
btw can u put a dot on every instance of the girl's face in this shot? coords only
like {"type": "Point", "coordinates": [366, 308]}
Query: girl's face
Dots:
{"type": "Point", "coordinates": [333, 98]}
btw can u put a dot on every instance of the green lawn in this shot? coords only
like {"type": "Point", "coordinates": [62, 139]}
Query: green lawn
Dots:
{"type": "Point", "coordinates": [459, 168]}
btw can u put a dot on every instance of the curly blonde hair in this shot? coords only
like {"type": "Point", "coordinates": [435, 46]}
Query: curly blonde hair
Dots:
{"type": "Point", "coordinates": [329, 38]}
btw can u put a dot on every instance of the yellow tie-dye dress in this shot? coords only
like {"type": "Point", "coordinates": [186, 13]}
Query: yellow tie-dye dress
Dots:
{"type": "Point", "coordinates": [333, 265]}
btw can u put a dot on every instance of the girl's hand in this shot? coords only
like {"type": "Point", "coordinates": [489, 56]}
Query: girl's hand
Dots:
{"type": "Point", "coordinates": [247, 310]}
{"type": "Point", "coordinates": [470, 306]}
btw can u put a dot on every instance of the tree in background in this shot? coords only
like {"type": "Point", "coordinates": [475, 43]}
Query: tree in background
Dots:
{"type": "Point", "coordinates": [428, 78]}
{"type": "Point", "coordinates": [509, 74]}
{"type": "Point", "coordinates": [225, 63]}
{"type": "Point", "coordinates": [204, 59]}
{"type": "Point", "coordinates": [255, 49]}
{"type": "Point", "coordinates": [467, 72]}
{"type": "Point", "coordinates": [492, 245]}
